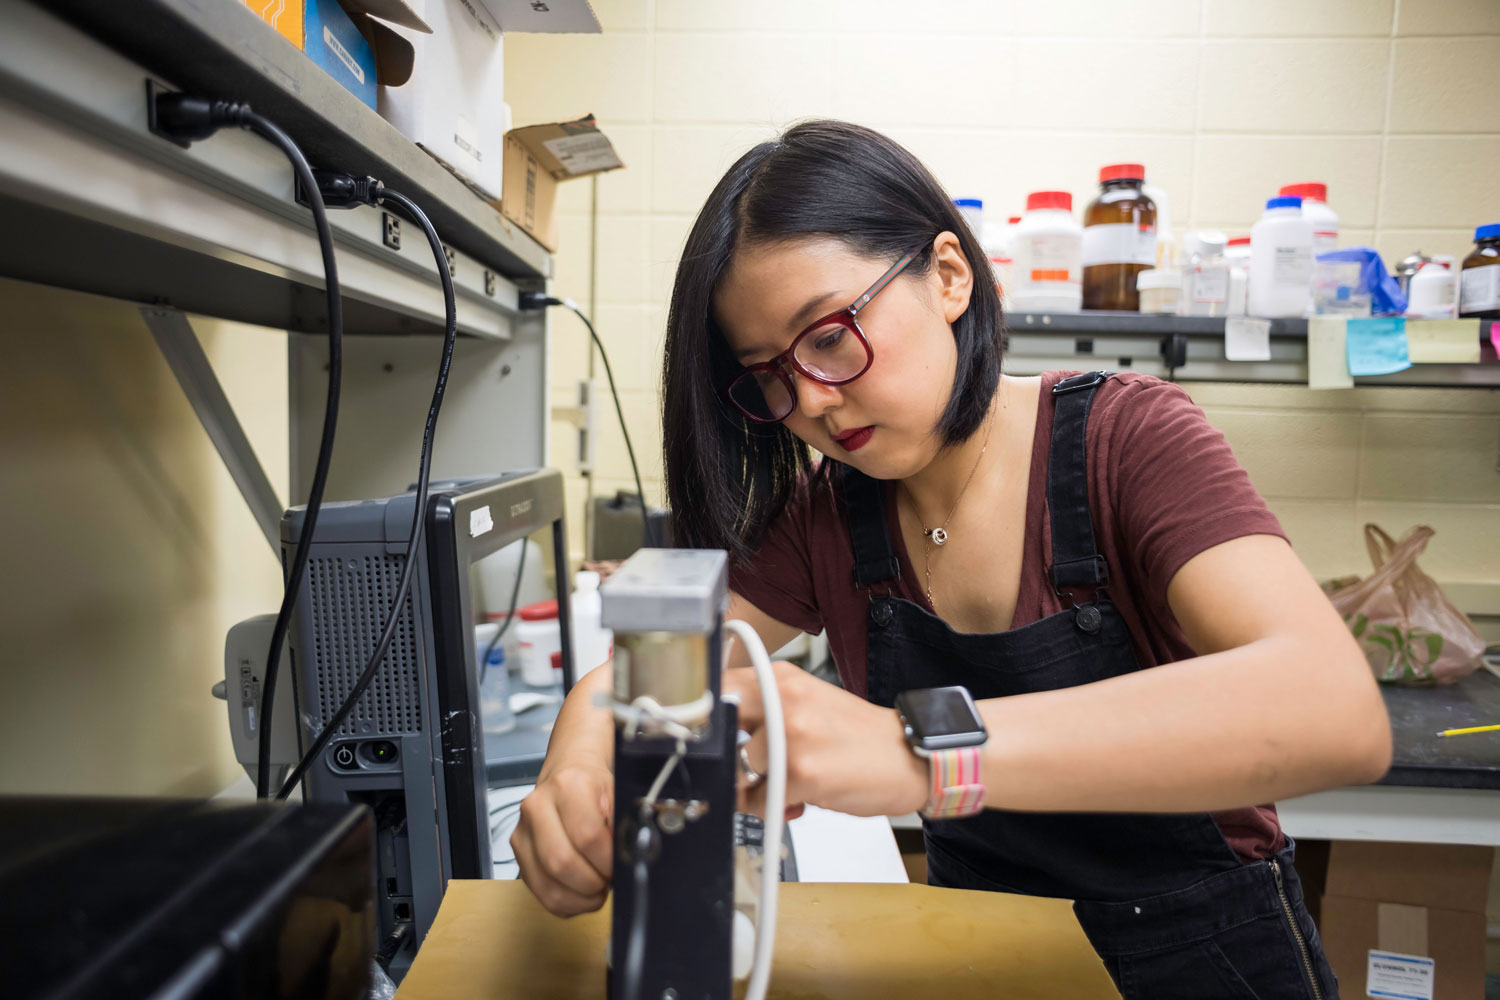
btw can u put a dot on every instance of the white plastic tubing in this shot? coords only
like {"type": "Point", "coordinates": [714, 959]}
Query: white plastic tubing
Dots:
{"type": "Point", "coordinates": [770, 883]}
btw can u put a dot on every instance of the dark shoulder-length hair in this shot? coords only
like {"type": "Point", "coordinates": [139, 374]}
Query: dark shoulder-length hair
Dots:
{"type": "Point", "coordinates": [727, 478]}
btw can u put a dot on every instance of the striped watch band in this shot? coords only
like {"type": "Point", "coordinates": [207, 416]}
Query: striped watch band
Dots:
{"type": "Point", "coordinates": [955, 789]}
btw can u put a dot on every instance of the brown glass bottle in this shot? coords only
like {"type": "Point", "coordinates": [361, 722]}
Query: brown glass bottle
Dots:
{"type": "Point", "coordinates": [1119, 238]}
{"type": "Point", "coordinates": [1479, 292]}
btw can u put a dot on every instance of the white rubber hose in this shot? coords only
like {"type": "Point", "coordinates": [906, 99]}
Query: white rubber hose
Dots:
{"type": "Point", "coordinates": [770, 880]}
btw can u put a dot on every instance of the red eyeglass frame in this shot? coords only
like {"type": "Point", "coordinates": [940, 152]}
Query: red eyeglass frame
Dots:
{"type": "Point", "coordinates": [846, 317]}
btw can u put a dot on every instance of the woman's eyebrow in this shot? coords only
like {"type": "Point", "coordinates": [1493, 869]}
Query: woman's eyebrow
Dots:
{"type": "Point", "coordinates": [809, 311]}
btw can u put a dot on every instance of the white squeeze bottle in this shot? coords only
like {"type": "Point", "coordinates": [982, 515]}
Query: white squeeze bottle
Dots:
{"type": "Point", "coordinates": [1281, 260]}
{"type": "Point", "coordinates": [592, 642]}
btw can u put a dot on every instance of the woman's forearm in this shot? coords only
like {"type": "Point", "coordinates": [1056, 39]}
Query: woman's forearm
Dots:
{"type": "Point", "coordinates": [584, 731]}
{"type": "Point", "coordinates": [1254, 724]}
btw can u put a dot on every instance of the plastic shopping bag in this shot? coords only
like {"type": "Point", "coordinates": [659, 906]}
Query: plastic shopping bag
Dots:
{"type": "Point", "coordinates": [1407, 628]}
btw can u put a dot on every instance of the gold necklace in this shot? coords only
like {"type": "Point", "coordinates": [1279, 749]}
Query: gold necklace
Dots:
{"type": "Point", "coordinates": [939, 535]}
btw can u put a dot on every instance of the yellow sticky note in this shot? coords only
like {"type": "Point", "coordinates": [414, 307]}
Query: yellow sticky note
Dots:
{"type": "Point", "coordinates": [1327, 354]}
{"type": "Point", "coordinates": [1443, 341]}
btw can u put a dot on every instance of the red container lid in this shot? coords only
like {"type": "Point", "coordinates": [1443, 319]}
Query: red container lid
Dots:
{"type": "Point", "coordinates": [1122, 172]}
{"type": "Point", "coordinates": [1239, 241]}
{"type": "Point", "coordinates": [1049, 199]}
{"type": "Point", "coordinates": [1314, 190]}
{"type": "Point", "coordinates": [539, 612]}
{"type": "Point", "coordinates": [557, 660]}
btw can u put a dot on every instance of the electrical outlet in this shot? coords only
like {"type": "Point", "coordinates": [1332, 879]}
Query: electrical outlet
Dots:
{"type": "Point", "coordinates": [390, 230]}
{"type": "Point", "coordinates": [452, 261]}
{"type": "Point", "coordinates": [489, 283]}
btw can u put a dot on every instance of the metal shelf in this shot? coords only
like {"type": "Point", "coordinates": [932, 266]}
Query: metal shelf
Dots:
{"type": "Point", "coordinates": [1038, 342]}
{"type": "Point", "coordinates": [97, 203]}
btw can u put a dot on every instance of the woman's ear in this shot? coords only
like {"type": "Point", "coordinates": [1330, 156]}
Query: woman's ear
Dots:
{"type": "Point", "coordinates": [954, 276]}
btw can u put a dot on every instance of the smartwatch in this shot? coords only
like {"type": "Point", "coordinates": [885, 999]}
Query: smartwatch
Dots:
{"type": "Point", "coordinates": [943, 725]}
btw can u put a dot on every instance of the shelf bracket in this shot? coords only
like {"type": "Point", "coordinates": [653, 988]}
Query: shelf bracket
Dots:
{"type": "Point", "coordinates": [184, 355]}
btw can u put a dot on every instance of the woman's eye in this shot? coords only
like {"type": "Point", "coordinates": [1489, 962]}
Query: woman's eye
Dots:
{"type": "Point", "coordinates": [825, 339]}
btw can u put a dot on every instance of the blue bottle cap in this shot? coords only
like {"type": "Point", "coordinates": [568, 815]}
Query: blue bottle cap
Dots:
{"type": "Point", "coordinates": [969, 202]}
{"type": "Point", "coordinates": [1489, 232]}
{"type": "Point", "coordinates": [1284, 201]}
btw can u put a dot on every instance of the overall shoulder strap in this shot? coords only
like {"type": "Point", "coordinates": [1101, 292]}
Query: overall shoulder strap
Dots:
{"type": "Point", "coordinates": [1076, 562]}
{"type": "Point", "coordinates": [864, 504]}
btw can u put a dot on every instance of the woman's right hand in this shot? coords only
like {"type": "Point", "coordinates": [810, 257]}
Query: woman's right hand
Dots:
{"type": "Point", "coordinates": [564, 841]}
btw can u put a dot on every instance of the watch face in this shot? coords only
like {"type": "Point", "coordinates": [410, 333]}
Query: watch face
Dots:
{"type": "Point", "coordinates": [940, 717]}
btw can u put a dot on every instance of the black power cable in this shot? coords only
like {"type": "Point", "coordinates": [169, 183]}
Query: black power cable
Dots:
{"type": "Point", "coordinates": [539, 300]}
{"type": "Point", "coordinates": [185, 118]}
{"type": "Point", "coordinates": [377, 194]}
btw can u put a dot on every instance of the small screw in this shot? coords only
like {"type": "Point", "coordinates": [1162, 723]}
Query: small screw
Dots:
{"type": "Point", "coordinates": [504, 370]}
{"type": "Point", "coordinates": [388, 367]}
{"type": "Point", "coordinates": [669, 994]}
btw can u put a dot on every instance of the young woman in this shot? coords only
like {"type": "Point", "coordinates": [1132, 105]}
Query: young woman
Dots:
{"type": "Point", "coordinates": [1082, 554]}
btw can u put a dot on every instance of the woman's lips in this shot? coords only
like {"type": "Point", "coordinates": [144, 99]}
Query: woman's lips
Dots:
{"type": "Point", "coordinates": [854, 440]}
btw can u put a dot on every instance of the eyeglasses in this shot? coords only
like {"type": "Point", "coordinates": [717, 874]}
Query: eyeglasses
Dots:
{"type": "Point", "coordinates": [832, 351]}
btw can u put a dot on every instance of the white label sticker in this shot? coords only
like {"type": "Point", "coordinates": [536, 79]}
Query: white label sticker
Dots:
{"type": "Point", "coordinates": [1119, 243]}
{"type": "Point", "coordinates": [582, 154]}
{"type": "Point", "coordinates": [1210, 285]}
{"type": "Point", "coordinates": [1291, 265]}
{"type": "Point", "coordinates": [480, 521]}
{"type": "Point", "coordinates": [1481, 289]}
{"type": "Point", "coordinates": [1048, 261]}
{"type": "Point", "coordinates": [1247, 339]}
{"type": "Point", "coordinates": [342, 54]}
{"type": "Point", "coordinates": [1393, 976]}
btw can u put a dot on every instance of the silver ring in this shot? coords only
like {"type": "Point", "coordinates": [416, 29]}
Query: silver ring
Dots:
{"type": "Point", "coordinates": [752, 776]}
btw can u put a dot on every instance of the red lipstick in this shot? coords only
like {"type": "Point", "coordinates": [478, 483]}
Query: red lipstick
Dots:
{"type": "Point", "coordinates": [855, 439]}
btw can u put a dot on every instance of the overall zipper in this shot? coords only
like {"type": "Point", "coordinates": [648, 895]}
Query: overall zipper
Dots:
{"type": "Point", "coordinates": [1291, 921]}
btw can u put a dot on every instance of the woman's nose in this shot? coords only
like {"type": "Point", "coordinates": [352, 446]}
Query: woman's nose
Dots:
{"type": "Point", "coordinates": [814, 398]}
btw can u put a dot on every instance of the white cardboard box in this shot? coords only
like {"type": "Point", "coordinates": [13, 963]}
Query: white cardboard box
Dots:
{"type": "Point", "coordinates": [454, 104]}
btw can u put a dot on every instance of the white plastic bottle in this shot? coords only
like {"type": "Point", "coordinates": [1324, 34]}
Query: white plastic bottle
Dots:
{"type": "Point", "coordinates": [592, 642]}
{"type": "Point", "coordinates": [1047, 251]}
{"type": "Point", "coordinates": [972, 210]}
{"type": "Point", "coordinates": [1237, 256]}
{"type": "Point", "coordinates": [538, 637]}
{"type": "Point", "coordinates": [1205, 275]}
{"type": "Point", "coordinates": [1433, 292]}
{"type": "Point", "coordinates": [1281, 259]}
{"type": "Point", "coordinates": [1325, 221]}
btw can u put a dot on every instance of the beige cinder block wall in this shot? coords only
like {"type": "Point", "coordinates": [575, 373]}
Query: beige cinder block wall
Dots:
{"type": "Point", "coordinates": [1391, 102]}
{"type": "Point", "coordinates": [128, 552]}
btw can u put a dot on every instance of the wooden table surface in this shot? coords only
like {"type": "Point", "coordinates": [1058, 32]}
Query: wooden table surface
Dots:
{"type": "Point", "coordinates": [493, 941]}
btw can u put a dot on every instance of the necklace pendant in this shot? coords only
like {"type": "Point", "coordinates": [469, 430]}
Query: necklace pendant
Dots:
{"type": "Point", "coordinates": [939, 536]}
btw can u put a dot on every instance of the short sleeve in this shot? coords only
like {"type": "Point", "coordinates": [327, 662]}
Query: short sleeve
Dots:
{"type": "Point", "coordinates": [778, 578]}
{"type": "Point", "coordinates": [1177, 489]}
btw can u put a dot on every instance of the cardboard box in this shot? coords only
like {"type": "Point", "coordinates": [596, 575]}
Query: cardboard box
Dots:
{"type": "Point", "coordinates": [454, 104]}
{"type": "Point", "coordinates": [540, 157]}
{"type": "Point", "coordinates": [1407, 920]}
{"type": "Point", "coordinates": [346, 40]}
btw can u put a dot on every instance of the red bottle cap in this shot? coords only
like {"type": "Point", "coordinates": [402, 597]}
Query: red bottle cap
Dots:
{"type": "Point", "coordinates": [1311, 190]}
{"type": "Point", "coordinates": [1049, 199]}
{"type": "Point", "coordinates": [1239, 241]}
{"type": "Point", "coordinates": [539, 612]}
{"type": "Point", "coordinates": [1122, 172]}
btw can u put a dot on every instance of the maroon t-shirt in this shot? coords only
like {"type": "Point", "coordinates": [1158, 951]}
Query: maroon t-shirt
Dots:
{"type": "Point", "coordinates": [1164, 486]}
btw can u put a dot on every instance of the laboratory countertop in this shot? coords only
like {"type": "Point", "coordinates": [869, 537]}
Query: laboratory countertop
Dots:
{"type": "Point", "coordinates": [874, 942]}
{"type": "Point", "coordinates": [1418, 714]}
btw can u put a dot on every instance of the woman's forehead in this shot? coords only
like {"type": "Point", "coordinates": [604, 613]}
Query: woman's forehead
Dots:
{"type": "Point", "coordinates": [766, 287]}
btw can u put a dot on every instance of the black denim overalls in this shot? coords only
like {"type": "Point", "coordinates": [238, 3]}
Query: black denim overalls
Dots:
{"type": "Point", "coordinates": [1164, 900]}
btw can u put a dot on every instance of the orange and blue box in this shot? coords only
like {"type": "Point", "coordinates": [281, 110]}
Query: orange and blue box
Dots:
{"type": "Point", "coordinates": [322, 30]}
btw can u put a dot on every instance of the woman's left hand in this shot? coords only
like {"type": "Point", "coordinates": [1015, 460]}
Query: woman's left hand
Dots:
{"type": "Point", "coordinates": [843, 753]}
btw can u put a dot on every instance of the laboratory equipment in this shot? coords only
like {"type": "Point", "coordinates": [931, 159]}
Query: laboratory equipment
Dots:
{"type": "Point", "coordinates": [1119, 238]}
{"type": "Point", "coordinates": [1433, 292]}
{"type": "Point", "coordinates": [185, 899]}
{"type": "Point", "coordinates": [1481, 274]}
{"type": "Point", "coordinates": [1047, 249]}
{"type": "Point", "coordinates": [1205, 275]}
{"type": "Point", "coordinates": [1159, 289]}
{"type": "Point", "coordinates": [972, 211]}
{"type": "Point", "coordinates": [679, 927]}
{"type": "Point", "coordinates": [413, 748]}
{"type": "Point", "coordinates": [1281, 260]}
{"type": "Point", "coordinates": [1325, 221]}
